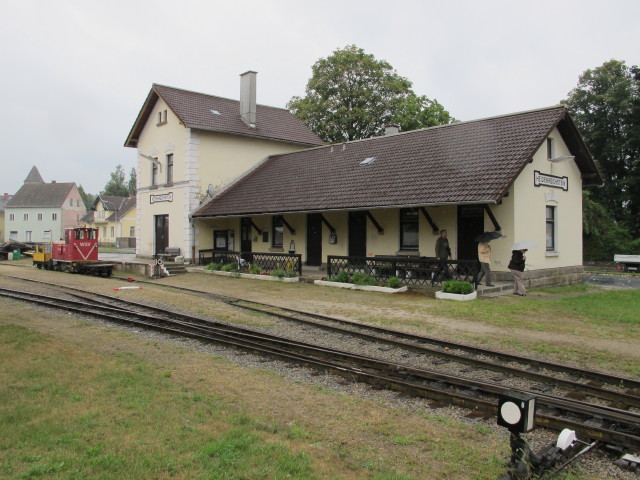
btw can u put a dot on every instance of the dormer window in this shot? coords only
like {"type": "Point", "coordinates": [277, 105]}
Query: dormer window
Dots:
{"type": "Point", "coordinates": [162, 117]}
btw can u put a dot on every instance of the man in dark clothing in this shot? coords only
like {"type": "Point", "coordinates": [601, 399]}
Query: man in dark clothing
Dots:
{"type": "Point", "coordinates": [443, 252]}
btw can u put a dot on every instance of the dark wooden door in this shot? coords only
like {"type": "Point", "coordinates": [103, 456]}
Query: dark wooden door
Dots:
{"type": "Point", "coordinates": [245, 235]}
{"type": "Point", "coordinates": [357, 234]}
{"type": "Point", "coordinates": [470, 225]}
{"type": "Point", "coordinates": [314, 239]}
{"type": "Point", "coordinates": [161, 233]}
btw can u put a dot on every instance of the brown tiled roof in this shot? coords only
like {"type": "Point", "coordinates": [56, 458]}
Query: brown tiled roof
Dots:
{"type": "Point", "coordinates": [40, 195]}
{"type": "Point", "coordinates": [474, 162]}
{"type": "Point", "coordinates": [195, 111]}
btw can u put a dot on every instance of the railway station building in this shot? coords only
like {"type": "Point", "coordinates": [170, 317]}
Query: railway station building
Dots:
{"type": "Point", "coordinates": [521, 174]}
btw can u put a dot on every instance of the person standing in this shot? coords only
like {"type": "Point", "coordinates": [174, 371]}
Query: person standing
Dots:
{"type": "Point", "coordinates": [484, 255]}
{"type": "Point", "coordinates": [516, 265]}
{"type": "Point", "coordinates": [443, 252]}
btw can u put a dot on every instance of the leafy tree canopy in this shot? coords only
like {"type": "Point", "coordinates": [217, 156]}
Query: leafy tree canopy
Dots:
{"type": "Point", "coordinates": [606, 107]}
{"type": "Point", "coordinates": [87, 198]}
{"type": "Point", "coordinates": [351, 96]}
{"type": "Point", "coordinates": [117, 186]}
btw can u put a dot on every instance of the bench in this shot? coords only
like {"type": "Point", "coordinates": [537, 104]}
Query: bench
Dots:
{"type": "Point", "coordinates": [170, 253]}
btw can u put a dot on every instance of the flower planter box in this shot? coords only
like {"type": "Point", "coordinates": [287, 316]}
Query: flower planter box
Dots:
{"type": "Point", "coordinates": [457, 296]}
{"type": "Point", "coordinates": [351, 286]}
{"type": "Point", "coordinates": [247, 275]}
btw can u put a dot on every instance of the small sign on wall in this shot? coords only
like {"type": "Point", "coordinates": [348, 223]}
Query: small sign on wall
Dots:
{"type": "Point", "coordinates": [544, 179]}
{"type": "Point", "coordinates": [165, 197]}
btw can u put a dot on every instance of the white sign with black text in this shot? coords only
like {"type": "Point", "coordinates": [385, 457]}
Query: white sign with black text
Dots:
{"type": "Point", "coordinates": [550, 180]}
{"type": "Point", "coordinates": [165, 197]}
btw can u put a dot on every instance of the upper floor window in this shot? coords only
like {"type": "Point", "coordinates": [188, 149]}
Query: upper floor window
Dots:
{"type": "Point", "coordinates": [409, 221]}
{"type": "Point", "coordinates": [12, 216]}
{"type": "Point", "coordinates": [278, 231]}
{"type": "Point", "coordinates": [549, 148]}
{"type": "Point", "coordinates": [170, 168]}
{"type": "Point", "coordinates": [551, 229]}
{"type": "Point", "coordinates": [54, 216]}
{"type": "Point", "coordinates": [162, 117]}
{"type": "Point", "coordinates": [154, 173]}
{"type": "Point", "coordinates": [25, 217]}
{"type": "Point", "coordinates": [39, 217]}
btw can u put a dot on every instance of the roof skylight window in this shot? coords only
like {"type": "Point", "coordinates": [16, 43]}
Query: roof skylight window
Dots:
{"type": "Point", "coordinates": [216, 112]}
{"type": "Point", "coordinates": [368, 160]}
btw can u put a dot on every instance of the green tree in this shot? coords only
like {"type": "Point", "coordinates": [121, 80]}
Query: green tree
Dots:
{"type": "Point", "coordinates": [131, 186]}
{"type": "Point", "coordinates": [351, 96]}
{"type": "Point", "coordinates": [87, 198]}
{"type": "Point", "coordinates": [606, 107]}
{"type": "Point", "coordinates": [117, 186]}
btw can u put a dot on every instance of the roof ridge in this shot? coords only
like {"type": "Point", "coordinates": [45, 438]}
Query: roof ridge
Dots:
{"type": "Point", "coordinates": [466, 122]}
{"type": "Point", "coordinates": [215, 96]}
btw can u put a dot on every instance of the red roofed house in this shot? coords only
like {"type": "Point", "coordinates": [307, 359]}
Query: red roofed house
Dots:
{"type": "Point", "coordinates": [39, 211]}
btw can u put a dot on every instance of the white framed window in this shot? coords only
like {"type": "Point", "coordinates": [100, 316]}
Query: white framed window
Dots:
{"type": "Point", "coordinates": [132, 231]}
{"type": "Point", "coordinates": [551, 228]}
{"type": "Point", "coordinates": [170, 168]}
{"type": "Point", "coordinates": [154, 173]}
{"type": "Point", "coordinates": [13, 236]}
{"type": "Point", "coordinates": [54, 216]}
{"type": "Point", "coordinates": [25, 217]}
{"type": "Point", "coordinates": [12, 216]}
{"type": "Point", "coordinates": [39, 217]}
{"type": "Point", "coordinates": [27, 236]}
{"type": "Point", "coordinates": [409, 223]}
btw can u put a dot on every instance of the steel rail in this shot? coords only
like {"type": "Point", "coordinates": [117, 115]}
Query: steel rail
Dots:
{"type": "Point", "coordinates": [277, 347]}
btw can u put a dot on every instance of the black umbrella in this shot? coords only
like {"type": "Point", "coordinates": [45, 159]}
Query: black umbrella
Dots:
{"type": "Point", "coordinates": [488, 236]}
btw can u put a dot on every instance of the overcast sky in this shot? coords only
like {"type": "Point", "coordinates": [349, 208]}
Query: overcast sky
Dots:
{"type": "Point", "coordinates": [75, 72]}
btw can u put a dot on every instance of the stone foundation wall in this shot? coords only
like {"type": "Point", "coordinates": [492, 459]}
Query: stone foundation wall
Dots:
{"type": "Point", "coordinates": [546, 277]}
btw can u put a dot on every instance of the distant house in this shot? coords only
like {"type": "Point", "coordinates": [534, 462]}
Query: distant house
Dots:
{"type": "Point", "coordinates": [3, 201]}
{"type": "Point", "coordinates": [40, 211]}
{"type": "Point", "coordinates": [115, 217]}
{"type": "Point", "coordinates": [190, 146]}
{"type": "Point", "coordinates": [521, 174]}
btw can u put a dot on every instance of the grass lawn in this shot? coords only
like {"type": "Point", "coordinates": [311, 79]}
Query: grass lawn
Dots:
{"type": "Point", "coordinates": [83, 401]}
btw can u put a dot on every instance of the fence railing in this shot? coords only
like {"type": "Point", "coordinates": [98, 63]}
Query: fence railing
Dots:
{"type": "Point", "coordinates": [268, 262]}
{"type": "Point", "coordinates": [410, 271]}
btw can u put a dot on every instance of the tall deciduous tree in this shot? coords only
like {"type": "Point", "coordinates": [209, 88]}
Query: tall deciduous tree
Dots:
{"type": "Point", "coordinates": [351, 96]}
{"type": "Point", "coordinates": [117, 186]}
{"type": "Point", "coordinates": [87, 198]}
{"type": "Point", "coordinates": [133, 180]}
{"type": "Point", "coordinates": [606, 107]}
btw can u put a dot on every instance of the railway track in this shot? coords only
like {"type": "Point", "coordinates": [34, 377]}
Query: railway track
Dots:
{"type": "Point", "coordinates": [597, 421]}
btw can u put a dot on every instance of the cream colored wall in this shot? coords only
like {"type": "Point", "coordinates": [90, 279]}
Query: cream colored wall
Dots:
{"type": "Point", "coordinates": [529, 211]}
{"type": "Point", "coordinates": [200, 158]}
{"type": "Point", "coordinates": [126, 222]}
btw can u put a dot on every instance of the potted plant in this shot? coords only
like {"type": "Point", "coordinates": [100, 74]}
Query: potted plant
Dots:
{"type": "Point", "coordinates": [457, 290]}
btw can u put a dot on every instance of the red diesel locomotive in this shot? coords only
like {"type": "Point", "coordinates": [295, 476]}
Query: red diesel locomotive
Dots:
{"type": "Point", "coordinates": [78, 254]}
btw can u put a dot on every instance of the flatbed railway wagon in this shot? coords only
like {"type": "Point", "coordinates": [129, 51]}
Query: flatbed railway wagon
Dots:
{"type": "Point", "coordinates": [78, 254]}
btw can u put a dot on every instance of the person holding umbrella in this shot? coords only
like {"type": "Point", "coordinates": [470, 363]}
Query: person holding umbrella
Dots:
{"type": "Point", "coordinates": [516, 265]}
{"type": "Point", "coordinates": [484, 255]}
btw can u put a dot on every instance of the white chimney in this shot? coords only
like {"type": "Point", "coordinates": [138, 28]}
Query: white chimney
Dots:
{"type": "Point", "coordinates": [248, 98]}
{"type": "Point", "coordinates": [391, 129]}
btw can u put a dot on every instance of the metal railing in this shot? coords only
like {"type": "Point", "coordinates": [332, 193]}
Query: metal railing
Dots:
{"type": "Point", "coordinates": [426, 271]}
{"type": "Point", "coordinates": [268, 262]}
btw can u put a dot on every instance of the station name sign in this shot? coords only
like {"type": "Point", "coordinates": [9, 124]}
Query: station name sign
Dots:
{"type": "Point", "coordinates": [544, 179]}
{"type": "Point", "coordinates": [165, 197]}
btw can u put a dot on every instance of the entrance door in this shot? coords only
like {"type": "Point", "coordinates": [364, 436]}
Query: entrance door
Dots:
{"type": "Point", "coordinates": [357, 234]}
{"type": "Point", "coordinates": [245, 234]}
{"type": "Point", "coordinates": [161, 233]}
{"type": "Point", "coordinates": [470, 225]}
{"type": "Point", "coordinates": [314, 239]}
